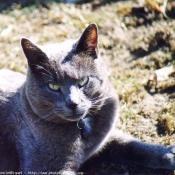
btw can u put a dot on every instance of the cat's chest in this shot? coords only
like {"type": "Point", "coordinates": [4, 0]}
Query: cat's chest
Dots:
{"type": "Point", "coordinates": [52, 134]}
{"type": "Point", "coordinates": [43, 132]}
{"type": "Point", "coordinates": [50, 145]}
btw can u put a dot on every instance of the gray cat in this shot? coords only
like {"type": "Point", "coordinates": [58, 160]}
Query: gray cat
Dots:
{"type": "Point", "coordinates": [65, 111]}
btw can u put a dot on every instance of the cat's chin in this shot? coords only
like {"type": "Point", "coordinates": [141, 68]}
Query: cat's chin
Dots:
{"type": "Point", "coordinates": [64, 119]}
{"type": "Point", "coordinates": [74, 118]}
{"type": "Point", "coordinates": [59, 118]}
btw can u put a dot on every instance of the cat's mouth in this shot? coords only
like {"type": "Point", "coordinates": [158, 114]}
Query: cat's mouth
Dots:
{"type": "Point", "coordinates": [72, 115]}
{"type": "Point", "coordinates": [75, 117]}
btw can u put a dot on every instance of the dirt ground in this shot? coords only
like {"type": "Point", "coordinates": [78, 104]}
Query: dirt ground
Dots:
{"type": "Point", "coordinates": [138, 44]}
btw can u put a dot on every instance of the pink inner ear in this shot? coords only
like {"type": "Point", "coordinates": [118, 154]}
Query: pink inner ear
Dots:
{"type": "Point", "coordinates": [88, 42]}
{"type": "Point", "coordinates": [92, 37]}
{"type": "Point", "coordinates": [26, 44]}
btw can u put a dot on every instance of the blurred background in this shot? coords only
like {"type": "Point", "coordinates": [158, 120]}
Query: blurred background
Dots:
{"type": "Point", "coordinates": [137, 42]}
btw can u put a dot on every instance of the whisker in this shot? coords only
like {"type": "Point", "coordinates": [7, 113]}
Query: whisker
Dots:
{"type": "Point", "coordinates": [45, 122]}
{"type": "Point", "coordinates": [91, 112]}
{"type": "Point", "coordinates": [39, 119]}
{"type": "Point", "coordinates": [36, 121]}
{"type": "Point", "coordinates": [97, 103]}
{"type": "Point", "coordinates": [44, 69]}
{"type": "Point", "coordinates": [97, 97]}
{"type": "Point", "coordinates": [99, 100]}
{"type": "Point", "coordinates": [47, 75]}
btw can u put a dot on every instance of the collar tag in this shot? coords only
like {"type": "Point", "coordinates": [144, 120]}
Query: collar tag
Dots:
{"type": "Point", "coordinates": [85, 128]}
{"type": "Point", "coordinates": [81, 124]}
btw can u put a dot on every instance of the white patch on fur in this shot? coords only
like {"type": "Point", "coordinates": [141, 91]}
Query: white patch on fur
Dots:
{"type": "Point", "coordinates": [74, 94]}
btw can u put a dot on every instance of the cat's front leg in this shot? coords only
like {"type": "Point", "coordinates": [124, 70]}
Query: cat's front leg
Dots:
{"type": "Point", "coordinates": [129, 149]}
{"type": "Point", "coordinates": [169, 158]}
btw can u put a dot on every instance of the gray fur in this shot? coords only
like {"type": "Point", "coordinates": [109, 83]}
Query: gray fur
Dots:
{"type": "Point", "coordinates": [38, 126]}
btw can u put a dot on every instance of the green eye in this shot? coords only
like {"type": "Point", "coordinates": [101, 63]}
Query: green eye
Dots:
{"type": "Point", "coordinates": [83, 81]}
{"type": "Point", "coordinates": [53, 87]}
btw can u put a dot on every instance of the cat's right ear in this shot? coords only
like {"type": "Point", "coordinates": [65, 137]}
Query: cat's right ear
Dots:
{"type": "Point", "coordinates": [35, 56]}
{"type": "Point", "coordinates": [88, 42]}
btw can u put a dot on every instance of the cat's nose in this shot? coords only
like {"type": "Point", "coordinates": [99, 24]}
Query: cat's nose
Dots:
{"type": "Point", "coordinates": [72, 98]}
{"type": "Point", "coordinates": [72, 105]}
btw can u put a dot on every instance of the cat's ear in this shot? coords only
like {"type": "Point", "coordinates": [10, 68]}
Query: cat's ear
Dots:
{"type": "Point", "coordinates": [35, 56]}
{"type": "Point", "coordinates": [88, 42]}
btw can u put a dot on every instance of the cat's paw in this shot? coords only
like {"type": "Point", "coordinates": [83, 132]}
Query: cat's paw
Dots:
{"type": "Point", "coordinates": [169, 158]}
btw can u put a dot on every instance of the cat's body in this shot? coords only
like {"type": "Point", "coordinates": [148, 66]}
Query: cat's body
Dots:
{"type": "Point", "coordinates": [64, 112]}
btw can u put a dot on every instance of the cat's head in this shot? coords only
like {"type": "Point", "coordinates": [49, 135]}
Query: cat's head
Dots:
{"type": "Point", "coordinates": [66, 80]}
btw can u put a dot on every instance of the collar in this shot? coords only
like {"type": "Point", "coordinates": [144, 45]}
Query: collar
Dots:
{"type": "Point", "coordinates": [84, 125]}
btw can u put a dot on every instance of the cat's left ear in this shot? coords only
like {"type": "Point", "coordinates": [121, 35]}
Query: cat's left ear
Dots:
{"type": "Point", "coordinates": [88, 42]}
